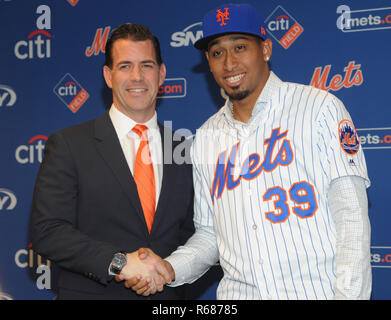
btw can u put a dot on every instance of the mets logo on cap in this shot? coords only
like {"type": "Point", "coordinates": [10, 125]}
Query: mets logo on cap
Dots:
{"type": "Point", "coordinates": [222, 16]}
{"type": "Point", "coordinates": [230, 18]}
{"type": "Point", "coordinates": [348, 137]}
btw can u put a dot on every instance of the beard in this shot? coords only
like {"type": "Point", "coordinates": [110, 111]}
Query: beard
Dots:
{"type": "Point", "coordinates": [238, 95]}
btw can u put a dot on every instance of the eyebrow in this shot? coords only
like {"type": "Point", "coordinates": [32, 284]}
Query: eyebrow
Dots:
{"type": "Point", "coordinates": [233, 38]}
{"type": "Point", "coordinates": [130, 62]}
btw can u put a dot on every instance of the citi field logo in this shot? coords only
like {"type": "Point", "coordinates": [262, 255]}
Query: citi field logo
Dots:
{"type": "Point", "coordinates": [7, 96]}
{"type": "Point", "coordinates": [98, 44]}
{"type": "Point", "coordinates": [375, 138]}
{"type": "Point", "coordinates": [353, 77]}
{"type": "Point", "coordinates": [8, 200]}
{"type": "Point", "coordinates": [188, 36]}
{"type": "Point", "coordinates": [173, 88]}
{"type": "Point", "coordinates": [38, 43]}
{"type": "Point", "coordinates": [363, 20]}
{"type": "Point", "coordinates": [71, 93]}
{"type": "Point", "coordinates": [283, 27]}
{"type": "Point", "coordinates": [32, 152]}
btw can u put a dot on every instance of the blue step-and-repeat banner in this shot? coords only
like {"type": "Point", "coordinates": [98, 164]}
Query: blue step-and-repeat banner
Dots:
{"type": "Point", "coordinates": [51, 58]}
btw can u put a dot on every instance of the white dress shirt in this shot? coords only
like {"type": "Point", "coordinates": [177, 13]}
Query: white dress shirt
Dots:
{"type": "Point", "coordinates": [130, 142]}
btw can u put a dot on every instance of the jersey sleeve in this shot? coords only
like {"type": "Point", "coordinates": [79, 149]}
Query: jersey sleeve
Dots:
{"type": "Point", "coordinates": [200, 252]}
{"type": "Point", "coordinates": [339, 142]}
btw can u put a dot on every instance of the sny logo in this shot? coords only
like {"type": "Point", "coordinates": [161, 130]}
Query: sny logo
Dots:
{"type": "Point", "coordinates": [184, 37]}
{"type": "Point", "coordinates": [71, 93]}
{"type": "Point", "coordinates": [283, 27]}
{"type": "Point", "coordinates": [39, 47]}
{"type": "Point", "coordinates": [222, 16]}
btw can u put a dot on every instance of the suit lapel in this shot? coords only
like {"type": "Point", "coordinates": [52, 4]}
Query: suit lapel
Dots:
{"type": "Point", "coordinates": [109, 147]}
{"type": "Point", "coordinates": [168, 177]}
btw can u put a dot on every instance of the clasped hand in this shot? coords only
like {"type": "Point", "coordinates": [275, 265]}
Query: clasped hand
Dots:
{"type": "Point", "coordinates": [145, 272]}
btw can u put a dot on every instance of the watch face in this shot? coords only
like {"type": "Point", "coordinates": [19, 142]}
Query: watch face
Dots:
{"type": "Point", "coordinates": [119, 259]}
{"type": "Point", "coordinates": [118, 263]}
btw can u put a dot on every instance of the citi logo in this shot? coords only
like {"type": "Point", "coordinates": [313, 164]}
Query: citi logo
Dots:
{"type": "Point", "coordinates": [32, 152]}
{"type": "Point", "coordinates": [71, 93]}
{"type": "Point", "coordinates": [8, 200]}
{"type": "Point", "coordinates": [283, 27]}
{"type": "Point", "coordinates": [38, 44]}
{"type": "Point", "coordinates": [7, 96]}
{"type": "Point", "coordinates": [38, 47]}
{"type": "Point", "coordinates": [173, 88]}
{"type": "Point", "coordinates": [187, 36]}
{"type": "Point", "coordinates": [27, 258]}
{"type": "Point", "coordinates": [353, 77]}
{"type": "Point", "coordinates": [99, 42]}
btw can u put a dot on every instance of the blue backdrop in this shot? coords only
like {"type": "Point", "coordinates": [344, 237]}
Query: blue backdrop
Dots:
{"type": "Point", "coordinates": [51, 59]}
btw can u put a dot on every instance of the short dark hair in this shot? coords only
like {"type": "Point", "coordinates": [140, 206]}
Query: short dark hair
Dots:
{"type": "Point", "coordinates": [135, 32]}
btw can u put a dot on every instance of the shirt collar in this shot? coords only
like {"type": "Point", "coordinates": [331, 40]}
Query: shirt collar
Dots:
{"type": "Point", "coordinates": [123, 124]}
{"type": "Point", "coordinates": [272, 84]}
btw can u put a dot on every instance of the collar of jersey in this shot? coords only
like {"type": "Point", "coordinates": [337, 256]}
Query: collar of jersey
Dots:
{"type": "Point", "coordinates": [272, 85]}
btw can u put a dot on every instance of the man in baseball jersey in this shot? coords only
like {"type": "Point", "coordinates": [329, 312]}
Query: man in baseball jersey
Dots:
{"type": "Point", "coordinates": [280, 180]}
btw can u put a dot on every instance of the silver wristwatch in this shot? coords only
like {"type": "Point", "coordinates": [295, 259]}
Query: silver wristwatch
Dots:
{"type": "Point", "coordinates": [118, 262]}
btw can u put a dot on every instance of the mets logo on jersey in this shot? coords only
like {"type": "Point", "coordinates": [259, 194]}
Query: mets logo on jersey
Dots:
{"type": "Point", "coordinates": [253, 165]}
{"type": "Point", "coordinates": [348, 137]}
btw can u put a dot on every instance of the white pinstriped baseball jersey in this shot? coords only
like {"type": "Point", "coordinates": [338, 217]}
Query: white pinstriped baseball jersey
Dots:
{"type": "Point", "coordinates": [263, 187]}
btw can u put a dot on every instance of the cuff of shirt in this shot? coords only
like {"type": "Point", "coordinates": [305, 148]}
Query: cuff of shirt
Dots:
{"type": "Point", "coordinates": [181, 269]}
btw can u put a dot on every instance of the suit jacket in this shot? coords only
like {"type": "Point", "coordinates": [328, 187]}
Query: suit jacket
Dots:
{"type": "Point", "coordinates": [86, 208]}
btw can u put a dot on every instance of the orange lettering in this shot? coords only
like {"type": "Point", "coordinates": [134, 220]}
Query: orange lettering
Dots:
{"type": "Point", "coordinates": [99, 43]}
{"type": "Point", "coordinates": [319, 78]}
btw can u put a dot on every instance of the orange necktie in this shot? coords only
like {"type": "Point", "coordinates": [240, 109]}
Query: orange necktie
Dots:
{"type": "Point", "coordinates": [144, 177]}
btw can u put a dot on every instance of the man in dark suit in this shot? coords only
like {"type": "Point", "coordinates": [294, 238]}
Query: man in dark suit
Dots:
{"type": "Point", "coordinates": [89, 215]}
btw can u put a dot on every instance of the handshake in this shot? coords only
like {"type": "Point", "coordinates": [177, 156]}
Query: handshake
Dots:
{"type": "Point", "coordinates": [145, 272]}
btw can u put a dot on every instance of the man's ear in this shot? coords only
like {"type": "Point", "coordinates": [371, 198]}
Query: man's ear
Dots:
{"type": "Point", "coordinates": [107, 75]}
{"type": "Point", "coordinates": [162, 73]}
{"type": "Point", "coordinates": [267, 47]}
